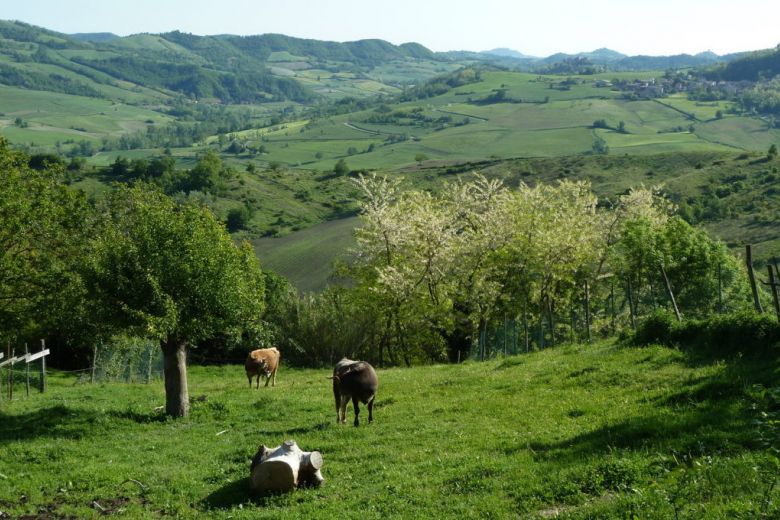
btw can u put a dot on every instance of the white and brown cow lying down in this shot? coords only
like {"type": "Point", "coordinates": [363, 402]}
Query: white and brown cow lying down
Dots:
{"type": "Point", "coordinates": [262, 362]}
{"type": "Point", "coordinates": [354, 380]}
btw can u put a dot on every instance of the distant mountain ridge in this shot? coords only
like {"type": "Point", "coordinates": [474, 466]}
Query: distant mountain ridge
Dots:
{"type": "Point", "coordinates": [257, 68]}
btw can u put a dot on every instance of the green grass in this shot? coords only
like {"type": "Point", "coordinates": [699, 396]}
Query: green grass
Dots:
{"type": "Point", "coordinates": [306, 257]}
{"type": "Point", "coordinates": [593, 431]}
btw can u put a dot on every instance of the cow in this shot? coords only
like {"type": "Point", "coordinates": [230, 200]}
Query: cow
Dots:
{"type": "Point", "coordinates": [262, 362]}
{"type": "Point", "coordinates": [354, 380]}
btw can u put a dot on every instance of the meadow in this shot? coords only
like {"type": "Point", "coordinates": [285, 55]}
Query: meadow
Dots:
{"type": "Point", "coordinates": [578, 431]}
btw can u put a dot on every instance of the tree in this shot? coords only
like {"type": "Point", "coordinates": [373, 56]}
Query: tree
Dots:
{"type": "Point", "coordinates": [43, 230]}
{"type": "Point", "coordinates": [420, 157]}
{"type": "Point", "coordinates": [171, 273]}
{"type": "Point", "coordinates": [205, 174]}
{"type": "Point", "coordinates": [341, 168]}
{"type": "Point", "coordinates": [772, 152]}
{"type": "Point", "coordinates": [600, 146]}
{"type": "Point", "coordinates": [621, 127]}
{"type": "Point", "coordinates": [237, 219]}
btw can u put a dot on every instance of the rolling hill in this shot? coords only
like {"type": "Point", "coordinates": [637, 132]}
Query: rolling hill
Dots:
{"type": "Point", "coordinates": [283, 111]}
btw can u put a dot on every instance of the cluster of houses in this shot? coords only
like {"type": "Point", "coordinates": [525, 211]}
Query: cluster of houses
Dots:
{"type": "Point", "coordinates": [655, 88]}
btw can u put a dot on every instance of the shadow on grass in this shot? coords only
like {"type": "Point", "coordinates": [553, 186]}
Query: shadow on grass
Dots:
{"type": "Point", "coordinates": [54, 421]}
{"type": "Point", "coordinates": [139, 417]}
{"type": "Point", "coordinates": [708, 415]}
{"type": "Point", "coordinates": [229, 495]}
{"type": "Point", "coordinates": [236, 493]}
{"type": "Point", "coordinates": [296, 431]}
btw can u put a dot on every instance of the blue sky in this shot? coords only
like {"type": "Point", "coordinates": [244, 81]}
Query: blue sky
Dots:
{"type": "Point", "coordinates": [540, 28]}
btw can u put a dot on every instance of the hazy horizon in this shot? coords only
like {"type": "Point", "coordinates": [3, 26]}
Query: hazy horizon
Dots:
{"type": "Point", "coordinates": [539, 30]}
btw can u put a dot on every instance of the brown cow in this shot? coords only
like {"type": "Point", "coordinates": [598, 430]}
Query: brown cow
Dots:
{"type": "Point", "coordinates": [262, 362]}
{"type": "Point", "coordinates": [354, 380]}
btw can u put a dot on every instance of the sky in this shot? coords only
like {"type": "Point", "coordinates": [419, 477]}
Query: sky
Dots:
{"type": "Point", "coordinates": [539, 28]}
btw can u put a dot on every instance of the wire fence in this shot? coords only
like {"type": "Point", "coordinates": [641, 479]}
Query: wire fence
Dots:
{"type": "Point", "coordinates": [126, 359]}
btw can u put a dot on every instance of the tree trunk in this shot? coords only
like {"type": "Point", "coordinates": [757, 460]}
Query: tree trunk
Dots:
{"type": "Point", "coordinates": [177, 400]}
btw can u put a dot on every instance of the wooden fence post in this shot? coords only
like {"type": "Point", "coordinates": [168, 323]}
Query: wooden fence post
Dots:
{"type": "Point", "coordinates": [773, 287]}
{"type": "Point", "coordinates": [10, 372]}
{"type": "Point", "coordinates": [752, 276]}
{"type": "Point", "coordinates": [670, 293]}
{"type": "Point", "coordinates": [26, 371]}
{"type": "Point", "coordinates": [43, 368]}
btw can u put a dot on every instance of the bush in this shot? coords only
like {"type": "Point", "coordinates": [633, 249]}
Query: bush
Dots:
{"type": "Point", "coordinates": [746, 332]}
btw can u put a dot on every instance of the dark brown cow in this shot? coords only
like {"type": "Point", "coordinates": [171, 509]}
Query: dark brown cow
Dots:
{"type": "Point", "coordinates": [262, 362]}
{"type": "Point", "coordinates": [354, 380]}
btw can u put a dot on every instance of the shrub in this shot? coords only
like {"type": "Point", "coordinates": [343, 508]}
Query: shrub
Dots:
{"type": "Point", "coordinates": [746, 332]}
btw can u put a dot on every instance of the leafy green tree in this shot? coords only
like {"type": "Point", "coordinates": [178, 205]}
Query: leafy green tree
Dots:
{"type": "Point", "coordinates": [205, 174]}
{"type": "Point", "coordinates": [238, 218]}
{"type": "Point", "coordinates": [621, 127]}
{"type": "Point", "coordinates": [172, 273]}
{"type": "Point", "coordinates": [341, 168]}
{"type": "Point", "coordinates": [43, 230]}
{"type": "Point", "coordinates": [772, 152]}
{"type": "Point", "coordinates": [600, 146]}
{"type": "Point", "coordinates": [420, 157]}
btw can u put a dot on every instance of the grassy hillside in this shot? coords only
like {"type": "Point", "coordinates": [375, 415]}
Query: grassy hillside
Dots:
{"type": "Point", "coordinates": [306, 257]}
{"type": "Point", "coordinates": [596, 431]}
{"type": "Point", "coordinates": [734, 195]}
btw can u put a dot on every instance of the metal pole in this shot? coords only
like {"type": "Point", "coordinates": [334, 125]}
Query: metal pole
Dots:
{"type": "Point", "coordinates": [587, 312]}
{"type": "Point", "coordinates": [94, 364]}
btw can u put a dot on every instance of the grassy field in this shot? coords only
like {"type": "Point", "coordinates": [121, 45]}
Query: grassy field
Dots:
{"type": "Point", "coordinates": [306, 258]}
{"type": "Point", "coordinates": [598, 431]}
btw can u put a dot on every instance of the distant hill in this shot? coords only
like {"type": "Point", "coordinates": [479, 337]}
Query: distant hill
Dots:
{"type": "Point", "coordinates": [229, 68]}
{"type": "Point", "coordinates": [99, 37]}
{"type": "Point", "coordinates": [750, 66]}
{"type": "Point", "coordinates": [601, 56]}
{"type": "Point", "coordinates": [509, 53]}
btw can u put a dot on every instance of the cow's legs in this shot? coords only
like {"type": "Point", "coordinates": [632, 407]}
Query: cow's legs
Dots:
{"type": "Point", "coordinates": [273, 383]}
{"type": "Point", "coordinates": [343, 408]}
{"type": "Point", "coordinates": [357, 410]}
{"type": "Point", "coordinates": [267, 379]}
{"type": "Point", "coordinates": [258, 381]}
{"type": "Point", "coordinates": [249, 376]}
{"type": "Point", "coordinates": [370, 410]}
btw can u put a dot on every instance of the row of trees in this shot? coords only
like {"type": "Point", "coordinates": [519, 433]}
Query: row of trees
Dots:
{"type": "Point", "coordinates": [430, 272]}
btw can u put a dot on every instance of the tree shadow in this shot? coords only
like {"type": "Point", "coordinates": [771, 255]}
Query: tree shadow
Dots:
{"type": "Point", "coordinates": [140, 417]}
{"type": "Point", "coordinates": [709, 414]}
{"type": "Point", "coordinates": [57, 421]}
{"type": "Point", "coordinates": [229, 495]}
{"type": "Point", "coordinates": [297, 431]}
